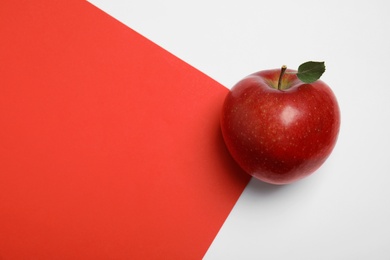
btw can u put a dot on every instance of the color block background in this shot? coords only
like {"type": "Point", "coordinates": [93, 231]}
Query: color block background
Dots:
{"type": "Point", "coordinates": [341, 212]}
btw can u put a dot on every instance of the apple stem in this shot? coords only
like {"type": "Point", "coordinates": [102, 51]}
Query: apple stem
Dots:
{"type": "Point", "coordinates": [282, 71]}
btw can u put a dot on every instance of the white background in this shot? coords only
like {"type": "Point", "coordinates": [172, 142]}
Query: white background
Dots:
{"type": "Point", "coordinates": [343, 210]}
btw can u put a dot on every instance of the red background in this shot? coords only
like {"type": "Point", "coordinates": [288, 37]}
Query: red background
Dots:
{"type": "Point", "coordinates": [109, 145]}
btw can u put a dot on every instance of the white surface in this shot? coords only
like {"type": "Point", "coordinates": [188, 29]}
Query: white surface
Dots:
{"type": "Point", "coordinates": [343, 210]}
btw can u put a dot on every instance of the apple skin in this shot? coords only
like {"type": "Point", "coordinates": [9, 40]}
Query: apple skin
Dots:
{"type": "Point", "coordinates": [280, 136]}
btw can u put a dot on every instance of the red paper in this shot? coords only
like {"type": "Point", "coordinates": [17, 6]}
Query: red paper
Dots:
{"type": "Point", "coordinates": [110, 146]}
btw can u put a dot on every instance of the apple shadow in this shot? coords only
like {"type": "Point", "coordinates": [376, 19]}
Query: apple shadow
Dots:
{"type": "Point", "coordinates": [257, 187]}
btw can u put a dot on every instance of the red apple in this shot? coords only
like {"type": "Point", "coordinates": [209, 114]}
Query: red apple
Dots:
{"type": "Point", "coordinates": [278, 128]}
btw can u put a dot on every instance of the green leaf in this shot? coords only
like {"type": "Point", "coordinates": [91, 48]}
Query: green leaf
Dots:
{"type": "Point", "coordinates": [311, 71]}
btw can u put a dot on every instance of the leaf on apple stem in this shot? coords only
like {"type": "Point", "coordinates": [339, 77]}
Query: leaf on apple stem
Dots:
{"type": "Point", "coordinates": [311, 71]}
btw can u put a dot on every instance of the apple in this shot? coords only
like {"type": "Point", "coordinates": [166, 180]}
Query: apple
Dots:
{"type": "Point", "coordinates": [281, 125]}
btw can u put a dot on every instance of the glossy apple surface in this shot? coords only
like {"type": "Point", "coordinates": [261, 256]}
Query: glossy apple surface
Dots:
{"type": "Point", "coordinates": [280, 135]}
